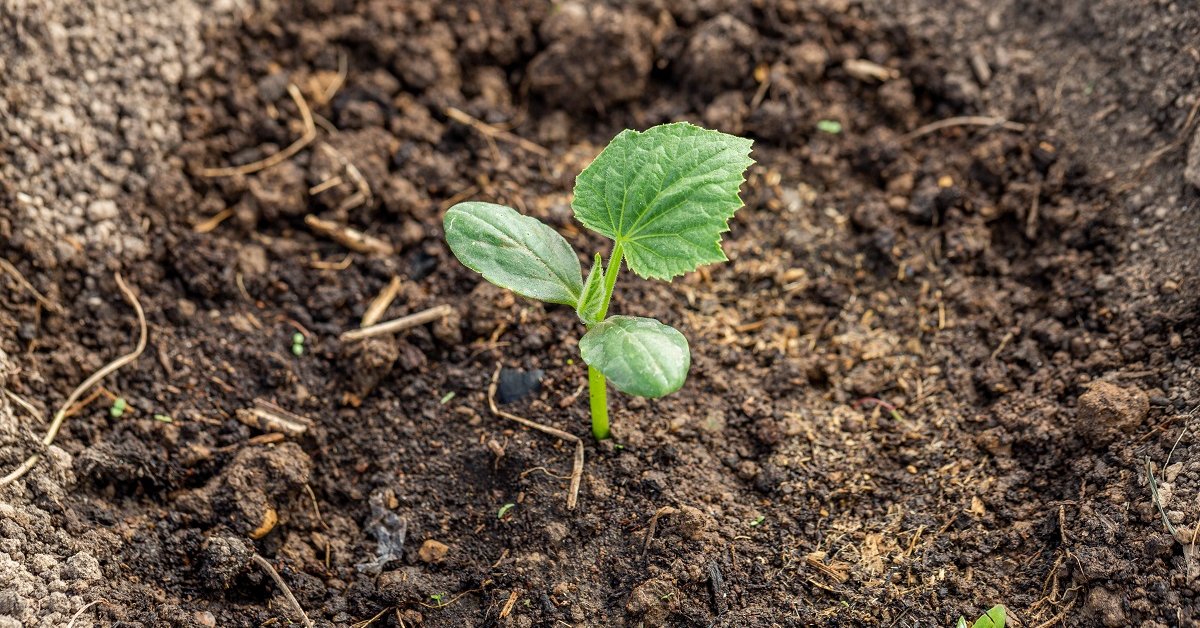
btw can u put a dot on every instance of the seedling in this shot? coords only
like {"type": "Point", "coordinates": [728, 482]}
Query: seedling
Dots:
{"type": "Point", "coordinates": [833, 127]}
{"type": "Point", "coordinates": [994, 618]}
{"type": "Point", "coordinates": [118, 408]}
{"type": "Point", "coordinates": [298, 344]}
{"type": "Point", "coordinates": [437, 599]}
{"type": "Point", "coordinates": [664, 197]}
{"type": "Point", "coordinates": [504, 510]}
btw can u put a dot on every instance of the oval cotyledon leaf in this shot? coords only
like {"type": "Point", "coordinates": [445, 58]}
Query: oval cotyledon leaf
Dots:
{"type": "Point", "coordinates": [640, 356]}
{"type": "Point", "coordinates": [514, 251]}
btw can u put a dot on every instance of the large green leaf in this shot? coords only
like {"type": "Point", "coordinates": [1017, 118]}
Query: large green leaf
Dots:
{"type": "Point", "coordinates": [592, 299]}
{"type": "Point", "coordinates": [640, 356]}
{"type": "Point", "coordinates": [664, 195]}
{"type": "Point", "coordinates": [514, 251]}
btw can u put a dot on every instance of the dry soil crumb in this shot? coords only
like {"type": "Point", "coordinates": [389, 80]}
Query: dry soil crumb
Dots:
{"type": "Point", "coordinates": [89, 104]}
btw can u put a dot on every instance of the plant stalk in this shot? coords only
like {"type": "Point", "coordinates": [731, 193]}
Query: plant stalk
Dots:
{"type": "Point", "coordinates": [598, 396]}
{"type": "Point", "coordinates": [597, 383]}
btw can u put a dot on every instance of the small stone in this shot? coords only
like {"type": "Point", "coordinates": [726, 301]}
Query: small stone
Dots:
{"type": "Point", "coordinates": [515, 385]}
{"type": "Point", "coordinates": [433, 551]}
{"type": "Point", "coordinates": [694, 523]}
{"type": "Point", "coordinates": [205, 618]}
{"type": "Point", "coordinates": [82, 566]}
{"type": "Point", "coordinates": [1107, 411]}
{"type": "Point", "coordinates": [1169, 287]}
{"type": "Point", "coordinates": [102, 210]}
{"type": "Point", "coordinates": [713, 422]}
{"type": "Point", "coordinates": [653, 601]}
{"type": "Point", "coordinates": [252, 260]}
{"type": "Point", "coordinates": [1106, 606]}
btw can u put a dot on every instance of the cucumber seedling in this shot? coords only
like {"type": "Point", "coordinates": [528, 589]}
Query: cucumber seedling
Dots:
{"type": "Point", "coordinates": [664, 197]}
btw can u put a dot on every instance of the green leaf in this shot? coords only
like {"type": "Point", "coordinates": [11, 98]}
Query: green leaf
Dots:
{"type": "Point", "coordinates": [640, 356]}
{"type": "Point", "coordinates": [829, 126]}
{"type": "Point", "coordinates": [994, 618]}
{"type": "Point", "coordinates": [962, 622]}
{"type": "Point", "coordinates": [592, 298]}
{"type": "Point", "coordinates": [514, 251]}
{"type": "Point", "coordinates": [664, 195]}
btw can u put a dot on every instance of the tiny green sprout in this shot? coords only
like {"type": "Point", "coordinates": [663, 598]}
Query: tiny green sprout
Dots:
{"type": "Point", "coordinates": [833, 127]}
{"type": "Point", "coordinates": [447, 397]}
{"type": "Point", "coordinates": [663, 196]}
{"type": "Point", "coordinates": [165, 418]}
{"type": "Point", "coordinates": [994, 618]}
{"type": "Point", "coordinates": [298, 344]}
{"type": "Point", "coordinates": [758, 521]}
{"type": "Point", "coordinates": [504, 510]}
{"type": "Point", "coordinates": [437, 598]}
{"type": "Point", "coordinates": [118, 408]}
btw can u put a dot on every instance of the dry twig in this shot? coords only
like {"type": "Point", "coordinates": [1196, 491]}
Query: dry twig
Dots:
{"type": "Point", "coordinates": [100, 374]}
{"type": "Point", "coordinates": [399, 324]}
{"type": "Point", "coordinates": [380, 303]}
{"type": "Point", "coordinates": [868, 71]}
{"type": "Point", "coordinates": [576, 469]}
{"type": "Point", "coordinates": [24, 283]}
{"type": "Point", "coordinates": [287, 592]}
{"type": "Point", "coordinates": [988, 121]}
{"type": "Point", "coordinates": [665, 510]}
{"type": "Point", "coordinates": [212, 222]}
{"type": "Point", "coordinates": [349, 237]}
{"type": "Point", "coordinates": [363, 196]}
{"type": "Point", "coordinates": [79, 613]}
{"type": "Point", "coordinates": [310, 133]}
{"type": "Point", "coordinates": [269, 417]}
{"type": "Point", "coordinates": [21, 401]}
{"type": "Point", "coordinates": [491, 132]}
{"type": "Point", "coordinates": [508, 606]}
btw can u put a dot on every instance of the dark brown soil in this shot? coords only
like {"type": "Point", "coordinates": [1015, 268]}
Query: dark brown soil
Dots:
{"type": "Point", "coordinates": [932, 378]}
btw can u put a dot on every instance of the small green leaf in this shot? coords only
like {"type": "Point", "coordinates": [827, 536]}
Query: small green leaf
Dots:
{"type": "Point", "coordinates": [994, 618]}
{"type": "Point", "coordinates": [664, 195]}
{"type": "Point", "coordinates": [514, 251]}
{"type": "Point", "coordinates": [832, 127]}
{"type": "Point", "coordinates": [592, 298]}
{"type": "Point", "coordinates": [118, 408]}
{"type": "Point", "coordinates": [504, 510]}
{"type": "Point", "coordinates": [962, 622]}
{"type": "Point", "coordinates": [640, 356]}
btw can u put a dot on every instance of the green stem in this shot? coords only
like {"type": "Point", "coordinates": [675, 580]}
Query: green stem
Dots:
{"type": "Point", "coordinates": [610, 277]}
{"type": "Point", "coordinates": [597, 384]}
{"type": "Point", "coordinates": [598, 395]}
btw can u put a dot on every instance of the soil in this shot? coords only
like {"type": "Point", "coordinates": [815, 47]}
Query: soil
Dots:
{"type": "Point", "coordinates": [942, 370]}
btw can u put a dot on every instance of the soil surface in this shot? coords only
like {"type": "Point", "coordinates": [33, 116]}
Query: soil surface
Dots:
{"type": "Point", "coordinates": [946, 366]}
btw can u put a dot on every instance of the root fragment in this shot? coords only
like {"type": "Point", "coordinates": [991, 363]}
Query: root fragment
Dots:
{"type": "Point", "coordinates": [95, 378]}
{"type": "Point", "coordinates": [310, 133]}
{"type": "Point", "coordinates": [576, 469]}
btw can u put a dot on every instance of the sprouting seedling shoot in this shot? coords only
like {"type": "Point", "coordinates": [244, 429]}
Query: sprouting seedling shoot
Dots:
{"type": "Point", "coordinates": [664, 197]}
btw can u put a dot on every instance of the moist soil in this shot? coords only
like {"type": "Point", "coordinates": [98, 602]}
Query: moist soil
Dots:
{"type": "Point", "coordinates": [936, 374]}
